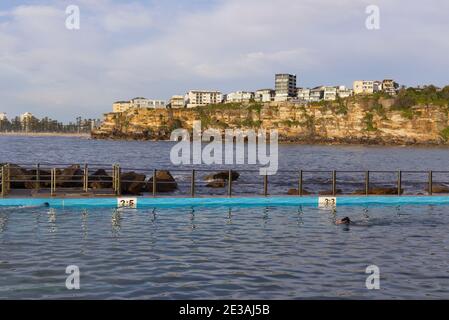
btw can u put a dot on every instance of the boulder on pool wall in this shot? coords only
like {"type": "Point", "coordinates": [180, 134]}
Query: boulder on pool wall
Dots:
{"type": "Point", "coordinates": [218, 183]}
{"type": "Point", "coordinates": [439, 188]}
{"type": "Point", "coordinates": [222, 175]}
{"type": "Point", "coordinates": [164, 182]}
{"type": "Point", "coordinates": [379, 191]}
{"type": "Point", "coordinates": [294, 192]}
{"type": "Point", "coordinates": [44, 179]}
{"type": "Point", "coordinates": [329, 192]}
{"type": "Point", "coordinates": [18, 176]}
{"type": "Point", "coordinates": [70, 177]}
{"type": "Point", "coordinates": [100, 179]}
{"type": "Point", "coordinates": [132, 183]}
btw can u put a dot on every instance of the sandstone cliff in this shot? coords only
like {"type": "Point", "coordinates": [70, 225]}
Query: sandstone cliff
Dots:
{"type": "Point", "coordinates": [368, 120]}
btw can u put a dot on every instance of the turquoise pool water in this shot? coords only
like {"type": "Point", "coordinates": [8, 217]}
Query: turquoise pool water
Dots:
{"type": "Point", "coordinates": [220, 252]}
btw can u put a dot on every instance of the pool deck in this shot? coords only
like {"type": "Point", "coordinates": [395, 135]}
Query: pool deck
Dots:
{"type": "Point", "coordinates": [171, 202]}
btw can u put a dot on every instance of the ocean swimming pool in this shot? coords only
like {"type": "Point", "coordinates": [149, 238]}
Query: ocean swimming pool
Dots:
{"type": "Point", "coordinates": [228, 251]}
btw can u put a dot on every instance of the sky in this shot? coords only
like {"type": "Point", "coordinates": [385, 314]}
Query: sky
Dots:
{"type": "Point", "coordinates": [160, 48]}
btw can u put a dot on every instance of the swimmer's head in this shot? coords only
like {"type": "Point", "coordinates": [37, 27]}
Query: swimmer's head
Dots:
{"type": "Point", "coordinates": [345, 220]}
{"type": "Point", "coordinates": [46, 204]}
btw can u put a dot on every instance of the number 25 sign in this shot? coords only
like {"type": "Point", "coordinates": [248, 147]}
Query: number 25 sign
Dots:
{"type": "Point", "coordinates": [127, 203]}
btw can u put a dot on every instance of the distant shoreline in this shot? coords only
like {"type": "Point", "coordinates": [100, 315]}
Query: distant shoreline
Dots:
{"type": "Point", "coordinates": [45, 134]}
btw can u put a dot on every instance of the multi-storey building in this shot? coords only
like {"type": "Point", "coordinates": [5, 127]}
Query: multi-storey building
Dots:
{"type": "Point", "coordinates": [285, 86]}
{"type": "Point", "coordinates": [139, 103]}
{"type": "Point", "coordinates": [239, 96]}
{"type": "Point", "coordinates": [330, 93]}
{"type": "Point", "coordinates": [363, 87]}
{"type": "Point", "coordinates": [121, 106]}
{"type": "Point", "coordinates": [344, 92]}
{"type": "Point", "coordinates": [316, 94]}
{"type": "Point", "coordinates": [3, 116]}
{"type": "Point", "coordinates": [264, 95]}
{"type": "Point", "coordinates": [195, 98]}
{"type": "Point", "coordinates": [157, 104]}
{"type": "Point", "coordinates": [373, 86]}
{"type": "Point", "coordinates": [303, 94]}
{"type": "Point", "coordinates": [390, 87]}
{"type": "Point", "coordinates": [177, 102]}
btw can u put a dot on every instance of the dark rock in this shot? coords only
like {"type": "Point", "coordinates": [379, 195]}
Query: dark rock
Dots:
{"type": "Point", "coordinates": [132, 183]}
{"type": "Point", "coordinates": [218, 183]}
{"type": "Point", "coordinates": [294, 192]}
{"type": "Point", "coordinates": [70, 177]}
{"type": "Point", "coordinates": [439, 188]}
{"type": "Point", "coordinates": [18, 176]}
{"type": "Point", "coordinates": [379, 191]}
{"type": "Point", "coordinates": [329, 192]}
{"type": "Point", "coordinates": [44, 179]}
{"type": "Point", "coordinates": [222, 175]}
{"type": "Point", "coordinates": [100, 179]}
{"type": "Point", "coordinates": [164, 182]}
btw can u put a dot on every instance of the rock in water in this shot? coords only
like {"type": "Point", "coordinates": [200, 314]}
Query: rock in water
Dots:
{"type": "Point", "coordinates": [222, 175]}
{"type": "Point", "coordinates": [294, 192]}
{"type": "Point", "coordinates": [100, 179]}
{"type": "Point", "coordinates": [132, 183]}
{"type": "Point", "coordinates": [218, 183]}
{"type": "Point", "coordinates": [439, 188]}
{"type": "Point", "coordinates": [70, 177]}
{"type": "Point", "coordinates": [379, 191]}
{"type": "Point", "coordinates": [164, 182]}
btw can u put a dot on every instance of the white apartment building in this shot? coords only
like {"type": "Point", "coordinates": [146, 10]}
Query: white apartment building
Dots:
{"type": "Point", "coordinates": [3, 116]}
{"type": "Point", "coordinates": [121, 106]}
{"type": "Point", "coordinates": [344, 92]}
{"type": "Point", "coordinates": [195, 98]}
{"type": "Point", "coordinates": [264, 95]}
{"type": "Point", "coordinates": [363, 87]}
{"type": "Point", "coordinates": [157, 104]}
{"type": "Point", "coordinates": [303, 94]}
{"type": "Point", "coordinates": [239, 96]}
{"type": "Point", "coordinates": [316, 94]}
{"type": "Point", "coordinates": [367, 86]}
{"type": "Point", "coordinates": [330, 93]}
{"type": "Point", "coordinates": [177, 102]}
{"type": "Point", "coordinates": [139, 103]}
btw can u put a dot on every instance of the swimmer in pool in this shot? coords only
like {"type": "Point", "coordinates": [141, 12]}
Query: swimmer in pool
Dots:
{"type": "Point", "coordinates": [345, 220]}
{"type": "Point", "coordinates": [45, 204]}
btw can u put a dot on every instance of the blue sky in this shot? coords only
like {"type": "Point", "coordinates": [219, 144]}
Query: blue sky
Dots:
{"type": "Point", "coordinates": [160, 48]}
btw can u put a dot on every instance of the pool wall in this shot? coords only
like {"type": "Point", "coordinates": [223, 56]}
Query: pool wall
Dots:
{"type": "Point", "coordinates": [142, 202]}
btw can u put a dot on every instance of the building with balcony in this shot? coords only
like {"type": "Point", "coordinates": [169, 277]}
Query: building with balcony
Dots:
{"type": "Point", "coordinates": [264, 95]}
{"type": "Point", "coordinates": [390, 87]}
{"type": "Point", "coordinates": [177, 102]}
{"type": "Point", "coordinates": [330, 93]}
{"type": "Point", "coordinates": [239, 96]}
{"type": "Point", "coordinates": [343, 92]}
{"type": "Point", "coordinates": [285, 86]}
{"type": "Point", "coordinates": [121, 106]}
{"type": "Point", "coordinates": [195, 98]}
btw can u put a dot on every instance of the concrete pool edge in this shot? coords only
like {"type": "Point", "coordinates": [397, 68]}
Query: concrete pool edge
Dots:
{"type": "Point", "coordinates": [311, 201]}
